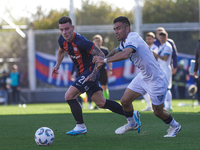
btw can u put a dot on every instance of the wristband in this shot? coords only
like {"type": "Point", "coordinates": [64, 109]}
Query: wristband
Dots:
{"type": "Point", "coordinates": [105, 60]}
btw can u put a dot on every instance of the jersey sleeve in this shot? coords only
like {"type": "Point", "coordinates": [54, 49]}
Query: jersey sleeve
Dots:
{"type": "Point", "coordinates": [167, 50]}
{"type": "Point", "coordinates": [132, 41]}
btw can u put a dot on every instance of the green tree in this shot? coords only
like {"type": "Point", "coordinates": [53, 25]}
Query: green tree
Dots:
{"type": "Point", "coordinates": [100, 13]}
{"type": "Point", "coordinates": [49, 21]}
{"type": "Point", "coordinates": [167, 11]}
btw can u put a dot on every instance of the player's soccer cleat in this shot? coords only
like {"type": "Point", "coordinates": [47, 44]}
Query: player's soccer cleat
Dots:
{"type": "Point", "coordinates": [147, 109]}
{"type": "Point", "coordinates": [172, 131]}
{"type": "Point", "coordinates": [77, 131]}
{"type": "Point", "coordinates": [137, 119]}
{"type": "Point", "coordinates": [127, 127]}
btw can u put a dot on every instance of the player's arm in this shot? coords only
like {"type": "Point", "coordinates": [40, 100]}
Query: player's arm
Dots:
{"type": "Point", "coordinates": [113, 52]}
{"type": "Point", "coordinates": [95, 52]}
{"type": "Point", "coordinates": [117, 57]}
{"type": "Point", "coordinates": [60, 56]}
{"type": "Point", "coordinates": [165, 57]}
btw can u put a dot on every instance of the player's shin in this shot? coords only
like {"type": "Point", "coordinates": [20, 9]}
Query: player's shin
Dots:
{"type": "Point", "coordinates": [76, 110]}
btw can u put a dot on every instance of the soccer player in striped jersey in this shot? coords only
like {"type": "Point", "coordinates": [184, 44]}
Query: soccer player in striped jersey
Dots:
{"type": "Point", "coordinates": [81, 52]}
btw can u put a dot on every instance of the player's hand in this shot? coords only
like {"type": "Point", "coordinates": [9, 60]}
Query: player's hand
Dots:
{"type": "Point", "coordinates": [174, 71]}
{"type": "Point", "coordinates": [55, 70]}
{"type": "Point", "coordinates": [91, 77]}
{"type": "Point", "coordinates": [98, 59]}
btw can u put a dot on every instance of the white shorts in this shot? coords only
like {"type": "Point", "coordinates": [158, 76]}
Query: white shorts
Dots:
{"type": "Point", "coordinates": [157, 89]}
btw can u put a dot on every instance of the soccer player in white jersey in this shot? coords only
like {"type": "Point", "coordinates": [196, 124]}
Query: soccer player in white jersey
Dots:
{"type": "Point", "coordinates": [150, 38]}
{"type": "Point", "coordinates": [164, 56]}
{"type": "Point", "coordinates": [151, 78]}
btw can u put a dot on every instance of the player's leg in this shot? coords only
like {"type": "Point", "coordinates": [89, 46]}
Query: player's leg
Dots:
{"type": "Point", "coordinates": [105, 91]}
{"type": "Point", "coordinates": [148, 100]}
{"type": "Point", "coordinates": [168, 97]}
{"type": "Point", "coordinates": [101, 102]}
{"type": "Point", "coordinates": [70, 97]}
{"type": "Point", "coordinates": [164, 115]}
{"type": "Point", "coordinates": [103, 79]}
{"type": "Point", "coordinates": [133, 117]}
{"type": "Point", "coordinates": [168, 100]}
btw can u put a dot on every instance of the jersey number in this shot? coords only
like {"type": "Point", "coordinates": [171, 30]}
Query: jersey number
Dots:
{"type": "Point", "coordinates": [82, 80]}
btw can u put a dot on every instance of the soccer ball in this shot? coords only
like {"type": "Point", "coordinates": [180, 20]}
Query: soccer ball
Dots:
{"type": "Point", "coordinates": [44, 136]}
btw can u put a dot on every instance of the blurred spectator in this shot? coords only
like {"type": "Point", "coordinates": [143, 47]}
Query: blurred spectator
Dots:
{"type": "Point", "coordinates": [15, 84]}
{"type": "Point", "coordinates": [174, 59]}
{"type": "Point", "coordinates": [196, 69]}
{"type": "Point", "coordinates": [150, 38]}
{"type": "Point", "coordinates": [4, 86]}
{"type": "Point", "coordinates": [180, 79]}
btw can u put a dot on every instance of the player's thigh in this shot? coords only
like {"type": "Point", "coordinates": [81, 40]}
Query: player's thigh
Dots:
{"type": "Point", "coordinates": [129, 96]}
{"type": "Point", "coordinates": [98, 98]}
{"type": "Point", "coordinates": [72, 93]}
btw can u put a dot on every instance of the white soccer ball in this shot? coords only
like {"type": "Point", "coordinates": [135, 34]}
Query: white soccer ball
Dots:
{"type": "Point", "coordinates": [44, 136]}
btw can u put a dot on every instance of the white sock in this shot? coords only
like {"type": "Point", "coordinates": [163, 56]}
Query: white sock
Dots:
{"type": "Point", "coordinates": [168, 99]}
{"type": "Point", "coordinates": [131, 120]}
{"type": "Point", "coordinates": [147, 99]}
{"type": "Point", "coordinates": [82, 126]}
{"type": "Point", "coordinates": [173, 123]}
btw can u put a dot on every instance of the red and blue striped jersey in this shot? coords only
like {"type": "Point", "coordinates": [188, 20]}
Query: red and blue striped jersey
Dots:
{"type": "Point", "coordinates": [79, 50]}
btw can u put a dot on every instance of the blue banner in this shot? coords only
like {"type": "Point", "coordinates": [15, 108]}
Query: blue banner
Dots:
{"type": "Point", "coordinates": [123, 71]}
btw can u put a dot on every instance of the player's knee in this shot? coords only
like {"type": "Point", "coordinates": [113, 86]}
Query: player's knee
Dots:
{"type": "Point", "coordinates": [124, 103]}
{"type": "Point", "coordinates": [68, 97]}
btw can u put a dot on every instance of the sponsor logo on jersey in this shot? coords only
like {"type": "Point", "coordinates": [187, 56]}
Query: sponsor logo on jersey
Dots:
{"type": "Point", "coordinates": [75, 57]}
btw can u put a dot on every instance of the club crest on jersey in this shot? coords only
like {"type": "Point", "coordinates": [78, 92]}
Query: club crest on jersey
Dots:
{"type": "Point", "coordinates": [160, 97]}
{"type": "Point", "coordinates": [75, 48]}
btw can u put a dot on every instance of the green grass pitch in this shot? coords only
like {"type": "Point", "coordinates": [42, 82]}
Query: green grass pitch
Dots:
{"type": "Point", "coordinates": [18, 126]}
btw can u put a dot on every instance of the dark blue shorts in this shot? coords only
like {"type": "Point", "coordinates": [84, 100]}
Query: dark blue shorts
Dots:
{"type": "Point", "coordinates": [89, 87]}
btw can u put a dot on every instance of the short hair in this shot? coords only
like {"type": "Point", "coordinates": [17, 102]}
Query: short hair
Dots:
{"type": "Point", "coordinates": [164, 33]}
{"type": "Point", "coordinates": [160, 29]}
{"type": "Point", "coordinates": [122, 19]}
{"type": "Point", "coordinates": [97, 36]}
{"type": "Point", "coordinates": [151, 34]}
{"type": "Point", "coordinates": [15, 67]}
{"type": "Point", "coordinates": [64, 19]}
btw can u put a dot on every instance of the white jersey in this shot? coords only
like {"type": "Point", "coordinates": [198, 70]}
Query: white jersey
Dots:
{"type": "Point", "coordinates": [154, 47]}
{"type": "Point", "coordinates": [143, 57]}
{"type": "Point", "coordinates": [151, 79]}
{"type": "Point", "coordinates": [166, 49]}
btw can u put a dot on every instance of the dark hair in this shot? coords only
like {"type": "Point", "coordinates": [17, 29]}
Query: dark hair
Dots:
{"type": "Point", "coordinates": [163, 33]}
{"type": "Point", "coordinates": [64, 19]}
{"type": "Point", "coordinates": [122, 19]}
